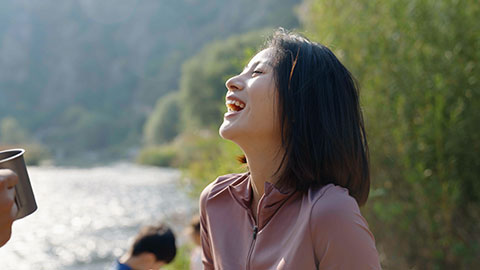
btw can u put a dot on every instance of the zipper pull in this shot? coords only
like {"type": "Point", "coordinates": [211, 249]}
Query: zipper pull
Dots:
{"type": "Point", "coordinates": [255, 231]}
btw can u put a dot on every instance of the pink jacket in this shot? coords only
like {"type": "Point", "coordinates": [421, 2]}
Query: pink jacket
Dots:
{"type": "Point", "coordinates": [321, 229]}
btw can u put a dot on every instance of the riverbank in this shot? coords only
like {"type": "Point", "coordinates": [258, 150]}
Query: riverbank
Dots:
{"type": "Point", "coordinates": [87, 216]}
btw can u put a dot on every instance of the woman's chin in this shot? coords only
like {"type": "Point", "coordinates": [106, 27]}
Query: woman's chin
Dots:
{"type": "Point", "coordinates": [224, 131]}
{"type": "Point", "coordinates": [228, 131]}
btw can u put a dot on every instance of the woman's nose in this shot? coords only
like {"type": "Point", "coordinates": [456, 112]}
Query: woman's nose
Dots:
{"type": "Point", "coordinates": [234, 84]}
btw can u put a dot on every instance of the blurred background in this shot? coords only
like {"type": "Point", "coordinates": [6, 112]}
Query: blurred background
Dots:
{"type": "Point", "coordinates": [118, 103]}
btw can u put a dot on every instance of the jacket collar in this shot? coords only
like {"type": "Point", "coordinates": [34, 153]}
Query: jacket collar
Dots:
{"type": "Point", "coordinates": [270, 202]}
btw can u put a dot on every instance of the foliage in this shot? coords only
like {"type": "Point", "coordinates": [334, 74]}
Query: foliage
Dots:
{"type": "Point", "coordinates": [181, 261]}
{"type": "Point", "coordinates": [161, 156]}
{"type": "Point", "coordinates": [35, 153]}
{"type": "Point", "coordinates": [202, 85]}
{"type": "Point", "coordinates": [418, 64]}
{"type": "Point", "coordinates": [13, 135]}
{"type": "Point", "coordinates": [163, 124]}
{"type": "Point", "coordinates": [96, 127]}
{"type": "Point", "coordinates": [11, 132]}
{"type": "Point", "coordinates": [201, 156]}
{"type": "Point", "coordinates": [204, 157]}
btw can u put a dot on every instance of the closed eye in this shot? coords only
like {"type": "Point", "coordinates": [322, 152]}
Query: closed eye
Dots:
{"type": "Point", "coordinates": [257, 72]}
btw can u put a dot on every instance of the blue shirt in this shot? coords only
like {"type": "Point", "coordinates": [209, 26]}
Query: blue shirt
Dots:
{"type": "Point", "coordinates": [121, 266]}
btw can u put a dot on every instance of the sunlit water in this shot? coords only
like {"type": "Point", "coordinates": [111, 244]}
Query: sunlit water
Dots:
{"type": "Point", "coordinates": [87, 217]}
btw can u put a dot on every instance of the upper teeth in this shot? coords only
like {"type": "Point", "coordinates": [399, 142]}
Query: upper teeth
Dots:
{"type": "Point", "coordinates": [236, 102]}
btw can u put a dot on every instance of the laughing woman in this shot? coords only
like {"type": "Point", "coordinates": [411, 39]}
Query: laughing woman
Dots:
{"type": "Point", "coordinates": [294, 111]}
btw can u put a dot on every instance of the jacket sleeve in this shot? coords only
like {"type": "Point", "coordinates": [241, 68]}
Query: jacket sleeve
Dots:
{"type": "Point", "coordinates": [207, 258]}
{"type": "Point", "coordinates": [341, 238]}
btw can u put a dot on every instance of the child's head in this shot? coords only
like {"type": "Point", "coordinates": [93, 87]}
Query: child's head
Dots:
{"type": "Point", "coordinates": [158, 240]}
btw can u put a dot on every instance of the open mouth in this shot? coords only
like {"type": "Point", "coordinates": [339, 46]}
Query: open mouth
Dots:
{"type": "Point", "coordinates": [235, 105]}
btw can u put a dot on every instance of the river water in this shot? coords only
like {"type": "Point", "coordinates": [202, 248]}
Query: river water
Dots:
{"type": "Point", "coordinates": [86, 217]}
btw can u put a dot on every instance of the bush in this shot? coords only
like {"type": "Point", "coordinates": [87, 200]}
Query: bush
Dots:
{"type": "Point", "coordinates": [11, 132]}
{"type": "Point", "coordinates": [203, 156]}
{"type": "Point", "coordinates": [417, 63]}
{"type": "Point", "coordinates": [161, 156]}
{"type": "Point", "coordinates": [34, 155]}
{"type": "Point", "coordinates": [181, 261]}
{"type": "Point", "coordinates": [162, 125]}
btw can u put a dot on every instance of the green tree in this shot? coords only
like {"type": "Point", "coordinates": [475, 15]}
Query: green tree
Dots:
{"type": "Point", "coordinates": [418, 65]}
{"type": "Point", "coordinates": [79, 129]}
{"type": "Point", "coordinates": [163, 124]}
{"type": "Point", "coordinates": [11, 132]}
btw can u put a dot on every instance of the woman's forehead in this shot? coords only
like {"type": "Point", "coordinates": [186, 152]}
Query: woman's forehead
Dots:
{"type": "Point", "coordinates": [265, 56]}
{"type": "Point", "coordinates": [265, 53]}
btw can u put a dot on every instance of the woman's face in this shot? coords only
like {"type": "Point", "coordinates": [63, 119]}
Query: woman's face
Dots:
{"type": "Point", "coordinates": [251, 102]}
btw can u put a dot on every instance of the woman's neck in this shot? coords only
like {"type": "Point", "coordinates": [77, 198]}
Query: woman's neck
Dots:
{"type": "Point", "coordinates": [263, 163]}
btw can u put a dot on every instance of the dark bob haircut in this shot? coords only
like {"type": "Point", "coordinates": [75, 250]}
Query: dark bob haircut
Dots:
{"type": "Point", "coordinates": [158, 240]}
{"type": "Point", "coordinates": [322, 125]}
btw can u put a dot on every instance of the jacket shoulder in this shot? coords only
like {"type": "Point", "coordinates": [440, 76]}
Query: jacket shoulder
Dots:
{"type": "Point", "coordinates": [220, 184]}
{"type": "Point", "coordinates": [339, 233]}
{"type": "Point", "coordinates": [332, 199]}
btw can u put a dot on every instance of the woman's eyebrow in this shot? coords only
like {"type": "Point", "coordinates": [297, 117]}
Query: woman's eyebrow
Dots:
{"type": "Point", "coordinates": [248, 65]}
{"type": "Point", "coordinates": [256, 63]}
